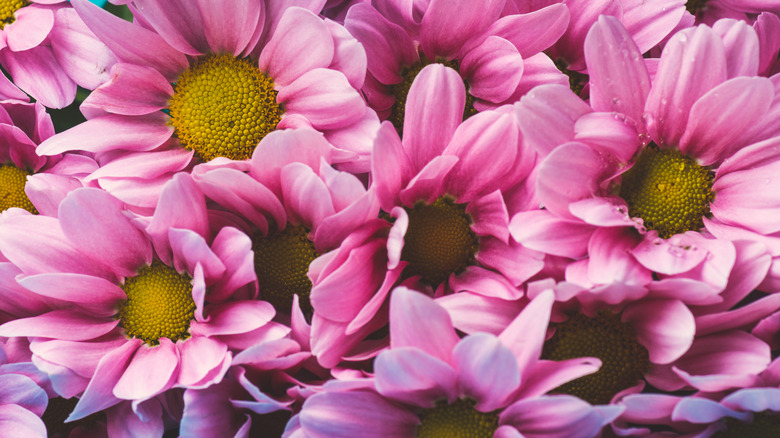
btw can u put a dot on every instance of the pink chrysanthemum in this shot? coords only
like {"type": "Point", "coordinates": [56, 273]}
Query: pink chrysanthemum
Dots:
{"type": "Point", "coordinates": [431, 383]}
{"type": "Point", "coordinates": [214, 84]}
{"type": "Point", "coordinates": [48, 50]}
{"type": "Point", "coordinates": [140, 305]}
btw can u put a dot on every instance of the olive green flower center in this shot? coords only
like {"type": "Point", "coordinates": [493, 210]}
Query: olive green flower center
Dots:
{"type": "Point", "coordinates": [624, 359]}
{"type": "Point", "coordinates": [159, 304]}
{"type": "Point", "coordinates": [12, 182]}
{"type": "Point", "coordinates": [668, 190]}
{"type": "Point", "coordinates": [222, 106]}
{"type": "Point", "coordinates": [765, 424]}
{"type": "Point", "coordinates": [7, 10]}
{"type": "Point", "coordinates": [439, 240]}
{"type": "Point", "coordinates": [401, 91]}
{"type": "Point", "coordinates": [457, 420]}
{"type": "Point", "coordinates": [577, 80]}
{"type": "Point", "coordinates": [282, 263]}
{"type": "Point", "coordinates": [695, 6]}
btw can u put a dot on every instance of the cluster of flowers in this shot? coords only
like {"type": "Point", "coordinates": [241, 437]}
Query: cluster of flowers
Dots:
{"type": "Point", "coordinates": [390, 218]}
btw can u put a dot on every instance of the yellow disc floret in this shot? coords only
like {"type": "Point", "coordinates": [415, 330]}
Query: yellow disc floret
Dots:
{"type": "Point", "coordinates": [624, 359]}
{"type": "Point", "coordinates": [439, 240]}
{"type": "Point", "coordinates": [282, 262]}
{"type": "Point", "coordinates": [765, 424]}
{"type": "Point", "coordinates": [12, 181]}
{"type": "Point", "coordinates": [222, 106]}
{"type": "Point", "coordinates": [7, 9]}
{"type": "Point", "coordinates": [159, 304]}
{"type": "Point", "coordinates": [401, 91]}
{"type": "Point", "coordinates": [668, 190]}
{"type": "Point", "coordinates": [457, 420]}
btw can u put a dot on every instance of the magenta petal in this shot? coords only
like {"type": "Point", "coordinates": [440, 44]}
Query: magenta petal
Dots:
{"type": "Point", "coordinates": [692, 63]}
{"type": "Point", "coordinates": [135, 419]}
{"type": "Point", "coordinates": [132, 43]}
{"type": "Point", "coordinates": [324, 97]}
{"type": "Point", "coordinates": [712, 134]}
{"type": "Point", "coordinates": [427, 184]}
{"type": "Point", "coordinates": [493, 69]}
{"type": "Point", "coordinates": [547, 375]}
{"type": "Point", "coordinates": [411, 376]}
{"type": "Point", "coordinates": [305, 195]}
{"type": "Point", "coordinates": [542, 231]}
{"type": "Point", "coordinates": [17, 421]}
{"type": "Point", "coordinates": [31, 27]}
{"type": "Point", "coordinates": [490, 216]}
{"type": "Point", "coordinates": [299, 31]}
{"type": "Point", "coordinates": [532, 32]}
{"type": "Point", "coordinates": [178, 22]}
{"type": "Point", "coordinates": [485, 282]}
{"type": "Point", "coordinates": [234, 249]}
{"type": "Point", "coordinates": [560, 416]}
{"type": "Point", "coordinates": [584, 168]}
{"type": "Point", "coordinates": [664, 327]}
{"type": "Point", "coordinates": [151, 371]}
{"type": "Point", "coordinates": [608, 132]}
{"type": "Point", "coordinates": [199, 356]}
{"type": "Point", "coordinates": [742, 47]}
{"type": "Point", "coordinates": [412, 313]}
{"type": "Point", "coordinates": [619, 81]}
{"type": "Point", "coordinates": [448, 24]}
{"type": "Point", "coordinates": [488, 370]}
{"type": "Point", "coordinates": [80, 357]}
{"type": "Point", "coordinates": [434, 109]}
{"type": "Point", "coordinates": [87, 291]}
{"type": "Point", "coordinates": [80, 54]}
{"type": "Point", "coordinates": [59, 324]}
{"type": "Point", "coordinates": [351, 414]}
{"type": "Point", "coordinates": [89, 213]}
{"type": "Point", "coordinates": [233, 318]}
{"type": "Point", "coordinates": [230, 26]}
{"type": "Point", "coordinates": [112, 132]}
{"type": "Point", "coordinates": [37, 72]}
{"type": "Point", "coordinates": [525, 335]}
{"type": "Point", "coordinates": [390, 166]}
{"type": "Point", "coordinates": [131, 90]}
{"type": "Point", "coordinates": [99, 393]}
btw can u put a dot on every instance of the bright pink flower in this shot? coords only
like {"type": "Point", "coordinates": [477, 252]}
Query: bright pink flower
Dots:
{"type": "Point", "coordinates": [48, 51]}
{"type": "Point", "coordinates": [140, 304]}
{"type": "Point", "coordinates": [212, 85]}
{"type": "Point", "coordinates": [443, 188]}
{"type": "Point", "coordinates": [498, 57]}
{"type": "Point", "coordinates": [431, 381]}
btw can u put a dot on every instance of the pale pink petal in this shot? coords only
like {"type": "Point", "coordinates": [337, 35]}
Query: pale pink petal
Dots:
{"type": "Point", "coordinates": [525, 335]}
{"type": "Point", "coordinates": [199, 357]}
{"type": "Point", "coordinates": [560, 416]}
{"type": "Point", "coordinates": [146, 165]}
{"type": "Point", "coordinates": [37, 72]}
{"type": "Point", "coordinates": [427, 184]}
{"type": "Point", "coordinates": [306, 196]}
{"type": "Point", "coordinates": [704, 411]}
{"type": "Point", "coordinates": [488, 370]}
{"type": "Point", "coordinates": [18, 421]}
{"type": "Point", "coordinates": [610, 261]}
{"type": "Point", "coordinates": [191, 250]}
{"type": "Point", "coordinates": [230, 26]}
{"type": "Point", "coordinates": [742, 47]}
{"type": "Point", "coordinates": [434, 109]}
{"type": "Point", "coordinates": [131, 90]}
{"type": "Point", "coordinates": [59, 324]}
{"type": "Point", "coordinates": [90, 293]}
{"type": "Point", "coordinates": [324, 97]}
{"type": "Point", "coordinates": [85, 58]}
{"type": "Point", "coordinates": [447, 25]}
{"type": "Point", "coordinates": [493, 69]}
{"type": "Point", "coordinates": [390, 166]}
{"type": "Point", "coordinates": [151, 371]}
{"type": "Point", "coordinates": [608, 132]}
{"type": "Point", "coordinates": [22, 391]}
{"type": "Point", "coordinates": [532, 32]}
{"type": "Point", "coordinates": [32, 26]}
{"type": "Point", "coordinates": [754, 400]}
{"type": "Point", "coordinates": [413, 313]}
{"type": "Point", "coordinates": [542, 231]}
{"type": "Point", "coordinates": [513, 260]}
{"type": "Point", "coordinates": [351, 414]}
{"type": "Point", "coordinates": [178, 22]}
{"type": "Point", "coordinates": [713, 135]}
{"type": "Point", "coordinates": [112, 132]}
{"type": "Point", "coordinates": [411, 376]}
{"type": "Point", "coordinates": [299, 31]}
{"type": "Point", "coordinates": [618, 78]}
{"type": "Point", "coordinates": [664, 327]}
{"type": "Point", "coordinates": [349, 57]}
{"type": "Point", "coordinates": [233, 318]}
{"type": "Point", "coordinates": [485, 282]}
{"type": "Point", "coordinates": [669, 256]}
{"type": "Point", "coordinates": [547, 375]}
{"type": "Point", "coordinates": [693, 62]}
{"type": "Point", "coordinates": [649, 22]}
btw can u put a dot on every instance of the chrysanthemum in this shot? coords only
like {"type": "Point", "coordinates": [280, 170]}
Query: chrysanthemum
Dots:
{"type": "Point", "coordinates": [431, 383]}
{"type": "Point", "coordinates": [442, 190]}
{"type": "Point", "coordinates": [140, 305]}
{"type": "Point", "coordinates": [497, 57]}
{"type": "Point", "coordinates": [667, 162]}
{"type": "Point", "coordinates": [214, 84]}
{"type": "Point", "coordinates": [48, 50]}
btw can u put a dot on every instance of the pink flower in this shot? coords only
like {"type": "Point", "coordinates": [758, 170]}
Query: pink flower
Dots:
{"type": "Point", "coordinates": [214, 88]}
{"type": "Point", "coordinates": [140, 304]}
{"type": "Point", "coordinates": [430, 382]}
{"type": "Point", "coordinates": [709, 11]}
{"type": "Point", "coordinates": [48, 51]}
{"type": "Point", "coordinates": [22, 400]}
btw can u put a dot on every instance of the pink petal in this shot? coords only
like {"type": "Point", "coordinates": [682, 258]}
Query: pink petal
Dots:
{"type": "Point", "coordinates": [525, 335]}
{"type": "Point", "coordinates": [151, 371]}
{"type": "Point", "coordinates": [349, 57]}
{"type": "Point", "coordinates": [754, 400]}
{"type": "Point", "coordinates": [488, 370]}
{"type": "Point", "coordinates": [493, 69]}
{"type": "Point", "coordinates": [128, 419]}
{"type": "Point", "coordinates": [18, 421]}
{"type": "Point", "coordinates": [434, 109]}
{"type": "Point", "coordinates": [485, 282]}
{"type": "Point", "coordinates": [669, 256]}
{"type": "Point", "coordinates": [514, 261]}
{"type": "Point", "coordinates": [59, 324]}
{"type": "Point", "coordinates": [610, 260]}
{"type": "Point", "coordinates": [649, 22]}
{"type": "Point", "coordinates": [234, 249]}
{"type": "Point", "coordinates": [178, 22]}
{"type": "Point", "coordinates": [390, 166]}
{"type": "Point", "coordinates": [447, 25]}
{"type": "Point", "coordinates": [191, 250]}
{"type": "Point", "coordinates": [490, 216]}
{"type": "Point", "coordinates": [131, 90]}
{"type": "Point", "coordinates": [584, 14]}
{"type": "Point", "coordinates": [546, 375]}
{"type": "Point", "coordinates": [32, 26]}
{"type": "Point", "coordinates": [411, 376]}
{"type": "Point", "coordinates": [664, 327]}
{"type": "Point", "coordinates": [610, 133]}
{"type": "Point", "coordinates": [22, 391]}
{"type": "Point", "coordinates": [37, 72]}
{"type": "Point", "coordinates": [532, 32]}
{"type": "Point", "coordinates": [80, 54]}
{"type": "Point", "coordinates": [542, 231]}
{"type": "Point", "coordinates": [427, 184]}
{"type": "Point", "coordinates": [324, 97]}
{"type": "Point", "coordinates": [305, 194]}
{"type": "Point", "coordinates": [199, 357]}
{"type": "Point", "coordinates": [90, 293]}
{"type": "Point", "coordinates": [412, 313]}
{"type": "Point", "coordinates": [703, 411]}
{"type": "Point", "coordinates": [742, 45]}
{"type": "Point", "coordinates": [229, 26]}
{"type": "Point", "coordinates": [351, 414]}
{"type": "Point", "coordinates": [558, 416]}
{"type": "Point", "coordinates": [233, 318]}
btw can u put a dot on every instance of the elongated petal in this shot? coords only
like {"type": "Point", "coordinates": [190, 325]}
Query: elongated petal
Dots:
{"type": "Point", "coordinates": [488, 370]}
{"type": "Point", "coordinates": [230, 26]}
{"type": "Point", "coordinates": [351, 414]}
{"type": "Point", "coordinates": [37, 72]}
{"type": "Point", "coordinates": [447, 25]}
{"type": "Point", "coordinates": [324, 97]}
{"type": "Point", "coordinates": [178, 22]}
{"type": "Point", "coordinates": [409, 375]}
{"type": "Point", "coordinates": [59, 324]}
{"type": "Point", "coordinates": [131, 90]}
{"type": "Point", "coordinates": [412, 313]}
{"type": "Point", "coordinates": [151, 371]}
{"type": "Point", "coordinates": [18, 421]}
{"type": "Point", "coordinates": [561, 416]}
{"type": "Point", "coordinates": [78, 51]}
{"type": "Point", "coordinates": [664, 327]}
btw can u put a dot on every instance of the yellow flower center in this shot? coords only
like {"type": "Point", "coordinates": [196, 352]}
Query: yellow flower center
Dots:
{"type": "Point", "coordinates": [457, 420]}
{"type": "Point", "coordinates": [439, 240]}
{"type": "Point", "coordinates": [7, 9]}
{"type": "Point", "coordinates": [282, 262]}
{"type": "Point", "coordinates": [159, 304]}
{"type": "Point", "coordinates": [12, 181]}
{"type": "Point", "coordinates": [765, 424]}
{"type": "Point", "coordinates": [401, 91]}
{"type": "Point", "coordinates": [668, 190]}
{"type": "Point", "coordinates": [222, 106]}
{"type": "Point", "coordinates": [624, 359]}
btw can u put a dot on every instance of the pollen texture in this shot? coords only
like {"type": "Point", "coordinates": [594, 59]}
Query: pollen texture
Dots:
{"type": "Point", "coordinates": [12, 181]}
{"type": "Point", "coordinates": [223, 106]}
{"type": "Point", "coordinates": [282, 262]}
{"type": "Point", "coordinates": [7, 9]}
{"type": "Point", "coordinates": [668, 190]}
{"type": "Point", "coordinates": [439, 240]}
{"type": "Point", "coordinates": [159, 304]}
{"type": "Point", "coordinates": [624, 359]}
{"type": "Point", "coordinates": [456, 420]}
{"type": "Point", "coordinates": [401, 91]}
